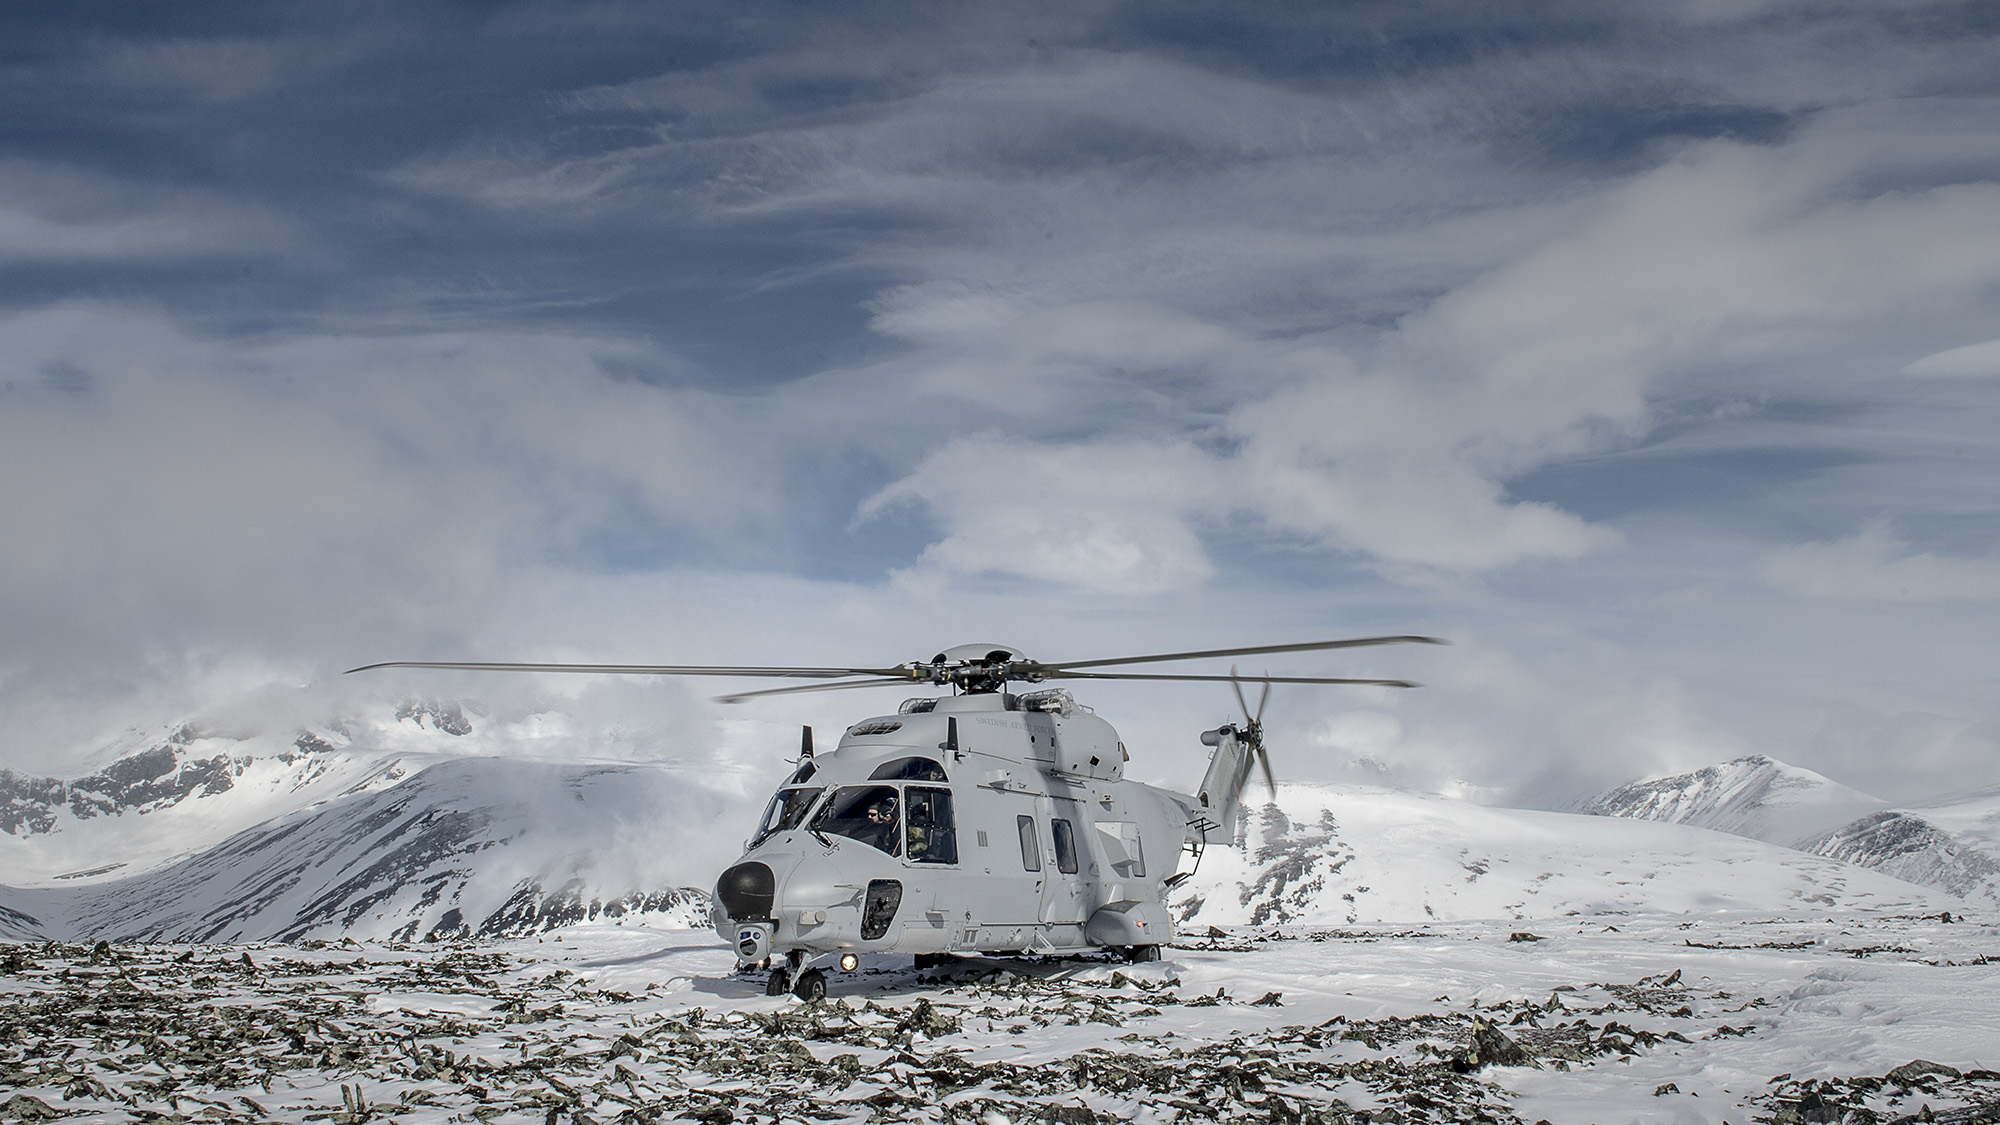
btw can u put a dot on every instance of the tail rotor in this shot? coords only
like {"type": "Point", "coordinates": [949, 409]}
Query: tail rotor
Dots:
{"type": "Point", "coordinates": [1252, 734]}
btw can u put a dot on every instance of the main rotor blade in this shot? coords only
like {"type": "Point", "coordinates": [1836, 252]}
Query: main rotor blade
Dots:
{"type": "Point", "coordinates": [1308, 646]}
{"type": "Point", "coordinates": [647, 669]}
{"type": "Point", "coordinates": [740, 696]}
{"type": "Point", "coordinates": [1060, 674]}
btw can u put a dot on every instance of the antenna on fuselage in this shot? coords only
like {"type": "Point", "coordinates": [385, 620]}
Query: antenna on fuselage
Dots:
{"type": "Point", "coordinates": [950, 743]}
{"type": "Point", "coordinates": [805, 744]}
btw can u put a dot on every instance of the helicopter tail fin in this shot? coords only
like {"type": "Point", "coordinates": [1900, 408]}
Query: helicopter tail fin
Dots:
{"type": "Point", "coordinates": [1221, 794]}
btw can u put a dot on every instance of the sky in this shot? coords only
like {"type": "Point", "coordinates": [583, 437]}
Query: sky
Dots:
{"type": "Point", "coordinates": [1649, 354]}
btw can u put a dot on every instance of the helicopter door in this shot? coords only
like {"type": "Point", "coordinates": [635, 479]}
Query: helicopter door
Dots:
{"type": "Point", "coordinates": [1006, 898]}
{"type": "Point", "coordinates": [1063, 899]}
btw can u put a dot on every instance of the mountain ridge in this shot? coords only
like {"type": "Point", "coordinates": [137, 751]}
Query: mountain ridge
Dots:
{"type": "Point", "coordinates": [1951, 843]}
{"type": "Point", "coordinates": [1756, 796]}
{"type": "Point", "coordinates": [465, 847]}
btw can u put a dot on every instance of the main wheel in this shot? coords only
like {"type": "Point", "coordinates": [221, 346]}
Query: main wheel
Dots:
{"type": "Point", "coordinates": [779, 983]}
{"type": "Point", "coordinates": [1142, 953]}
{"type": "Point", "coordinates": [811, 986]}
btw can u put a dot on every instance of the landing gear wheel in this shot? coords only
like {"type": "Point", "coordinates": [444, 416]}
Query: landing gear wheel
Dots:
{"type": "Point", "coordinates": [780, 982]}
{"type": "Point", "coordinates": [811, 986]}
{"type": "Point", "coordinates": [1142, 953]}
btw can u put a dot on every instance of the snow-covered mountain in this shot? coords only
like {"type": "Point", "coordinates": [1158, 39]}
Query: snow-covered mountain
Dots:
{"type": "Point", "coordinates": [491, 846]}
{"type": "Point", "coordinates": [470, 846]}
{"type": "Point", "coordinates": [177, 790]}
{"type": "Point", "coordinates": [1953, 845]}
{"type": "Point", "coordinates": [1758, 797]}
{"type": "Point", "coordinates": [1337, 855]}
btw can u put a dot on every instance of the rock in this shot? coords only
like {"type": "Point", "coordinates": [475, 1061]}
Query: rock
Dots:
{"type": "Point", "coordinates": [1665, 1088]}
{"type": "Point", "coordinates": [1814, 1107]}
{"type": "Point", "coordinates": [1914, 1071]}
{"type": "Point", "coordinates": [928, 1020]}
{"type": "Point", "coordinates": [1523, 935]}
{"type": "Point", "coordinates": [21, 1107]}
{"type": "Point", "coordinates": [1491, 1047]}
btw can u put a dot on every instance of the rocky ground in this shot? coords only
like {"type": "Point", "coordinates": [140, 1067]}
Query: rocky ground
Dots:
{"type": "Point", "coordinates": [1882, 1018]}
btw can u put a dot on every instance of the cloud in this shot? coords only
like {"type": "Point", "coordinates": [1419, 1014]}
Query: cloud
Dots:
{"type": "Point", "coordinates": [1973, 361]}
{"type": "Point", "coordinates": [53, 213]}
{"type": "Point", "coordinates": [1400, 453]}
{"type": "Point", "coordinates": [1875, 564]}
{"type": "Point", "coordinates": [220, 490]}
{"type": "Point", "coordinates": [593, 332]}
{"type": "Point", "coordinates": [1112, 517]}
{"type": "Point", "coordinates": [221, 69]}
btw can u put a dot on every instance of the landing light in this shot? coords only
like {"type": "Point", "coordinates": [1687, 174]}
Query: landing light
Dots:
{"type": "Point", "coordinates": [849, 962]}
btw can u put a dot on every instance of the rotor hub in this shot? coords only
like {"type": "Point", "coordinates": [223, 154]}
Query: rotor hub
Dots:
{"type": "Point", "coordinates": [977, 668]}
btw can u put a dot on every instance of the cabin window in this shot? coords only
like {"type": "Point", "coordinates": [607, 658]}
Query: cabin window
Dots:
{"type": "Point", "coordinates": [879, 908]}
{"type": "Point", "coordinates": [1031, 849]}
{"type": "Point", "coordinates": [1065, 845]}
{"type": "Point", "coordinates": [908, 769]}
{"type": "Point", "coordinates": [868, 813]}
{"type": "Point", "coordinates": [932, 837]}
{"type": "Point", "coordinates": [788, 810]}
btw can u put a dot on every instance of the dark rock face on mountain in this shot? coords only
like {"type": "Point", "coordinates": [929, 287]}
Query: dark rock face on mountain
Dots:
{"type": "Point", "coordinates": [1295, 863]}
{"type": "Point", "coordinates": [149, 779]}
{"type": "Point", "coordinates": [1909, 847]}
{"type": "Point", "coordinates": [1758, 797]}
{"type": "Point", "coordinates": [443, 716]}
{"type": "Point", "coordinates": [533, 910]}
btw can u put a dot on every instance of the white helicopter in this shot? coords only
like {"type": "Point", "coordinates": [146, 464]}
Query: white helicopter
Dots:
{"type": "Point", "coordinates": [983, 822]}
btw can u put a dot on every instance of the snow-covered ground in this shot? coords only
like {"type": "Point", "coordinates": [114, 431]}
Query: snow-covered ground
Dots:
{"type": "Point", "coordinates": [1709, 1017]}
{"type": "Point", "coordinates": [1334, 855]}
{"type": "Point", "coordinates": [1381, 955]}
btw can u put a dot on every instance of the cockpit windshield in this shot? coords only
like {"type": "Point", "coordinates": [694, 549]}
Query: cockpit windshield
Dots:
{"type": "Point", "coordinates": [868, 813]}
{"type": "Point", "coordinates": [788, 811]}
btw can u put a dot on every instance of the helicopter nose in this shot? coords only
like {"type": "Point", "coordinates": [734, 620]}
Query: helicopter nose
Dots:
{"type": "Point", "coordinates": [747, 890]}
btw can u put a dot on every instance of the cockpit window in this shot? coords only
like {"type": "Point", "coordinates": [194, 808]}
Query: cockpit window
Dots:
{"type": "Point", "coordinates": [933, 836]}
{"type": "Point", "coordinates": [788, 811]}
{"type": "Point", "coordinates": [908, 769]}
{"type": "Point", "coordinates": [871, 814]}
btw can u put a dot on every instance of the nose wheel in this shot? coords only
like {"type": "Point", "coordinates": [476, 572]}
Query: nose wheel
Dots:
{"type": "Point", "coordinates": [811, 985]}
{"type": "Point", "coordinates": [779, 982]}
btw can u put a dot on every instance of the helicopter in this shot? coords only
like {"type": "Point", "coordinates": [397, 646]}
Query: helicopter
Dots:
{"type": "Point", "coordinates": [984, 822]}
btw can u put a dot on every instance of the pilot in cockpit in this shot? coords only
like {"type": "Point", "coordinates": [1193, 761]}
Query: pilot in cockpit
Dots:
{"type": "Point", "coordinates": [882, 825]}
